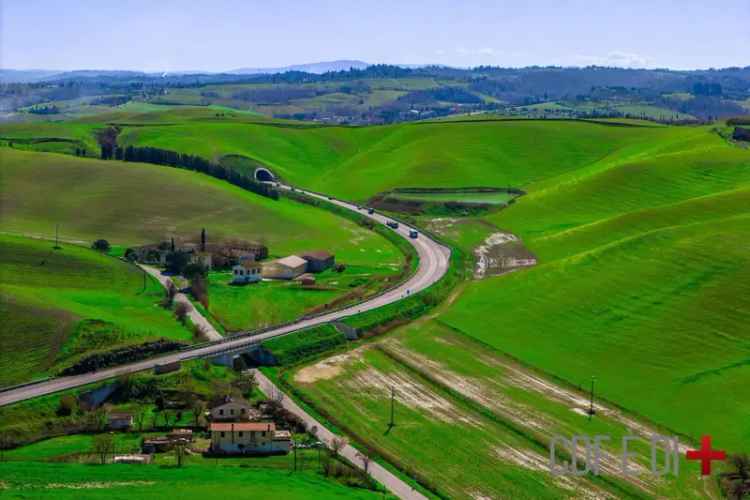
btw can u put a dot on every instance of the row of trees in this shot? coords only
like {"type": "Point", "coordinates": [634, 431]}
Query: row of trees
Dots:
{"type": "Point", "coordinates": [160, 156]}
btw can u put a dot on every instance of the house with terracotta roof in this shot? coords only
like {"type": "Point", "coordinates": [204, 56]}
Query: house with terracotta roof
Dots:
{"type": "Point", "coordinates": [248, 438]}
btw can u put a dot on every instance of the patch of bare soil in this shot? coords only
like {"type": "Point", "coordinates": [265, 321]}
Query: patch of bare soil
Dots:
{"type": "Point", "coordinates": [409, 392]}
{"type": "Point", "coordinates": [523, 416]}
{"type": "Point", "coordinates": [579, 403]}
{"type": "Point", "coordinates": [327, 368]}
{"type": "Point", "coordinates": [535, 462]}
{"type": "Point", "coordinates": [501, 253]}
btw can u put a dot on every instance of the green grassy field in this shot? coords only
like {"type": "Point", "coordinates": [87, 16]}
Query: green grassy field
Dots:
{"type": "Point", "coordinates": [272, 302]}
{"type": "Point", "coordinates": [642, 283]}
{"type": "Point", "coordinates": [358, 162]}
{"type": "Point", "coordinates": [73, 481]}
{"type": "Point", "coordinates": [62, 303]}
{"type": "Point", "coordinates": [129, 203]}
{"type": "Point", "coordinates": [497, 418]}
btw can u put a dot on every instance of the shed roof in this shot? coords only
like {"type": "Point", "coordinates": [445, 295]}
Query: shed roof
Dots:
{"type": "Point", "coordinates": [243, 426]}
{"type": "Point", "coordinates": [292, 261]}
{"type": "Point", "coordinates": [317, 255]}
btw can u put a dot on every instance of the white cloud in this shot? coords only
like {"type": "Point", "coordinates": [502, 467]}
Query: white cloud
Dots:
{"type": "Point", "coordinates": [463, 56]}
{"type": "Point", "coordinates": [616, 58]}
{"type": "Point", "coordinates": [482, 52]}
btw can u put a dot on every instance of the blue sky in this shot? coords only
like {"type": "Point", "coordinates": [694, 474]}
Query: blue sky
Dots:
{"type": "Point", "coordinates": [168, 35]}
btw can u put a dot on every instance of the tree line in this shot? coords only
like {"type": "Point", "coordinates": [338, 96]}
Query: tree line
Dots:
{"type": "Point", "coordinates": [188, 162]}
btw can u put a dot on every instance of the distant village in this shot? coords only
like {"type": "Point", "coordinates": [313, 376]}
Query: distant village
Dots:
{"type": "Point", "coordinates": [248, 261]}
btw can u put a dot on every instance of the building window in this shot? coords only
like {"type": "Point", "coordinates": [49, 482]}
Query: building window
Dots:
{"type": "Point", "coordinates": [242, 410]}
{"type": "Point", "coordinates": [221, 412]}
{"type": "Point", "coordinates": [231, 411]}
{"type": "Point", "coordinates": [222, 434]}
{"type": "Point", "coordinates": [240, 433]}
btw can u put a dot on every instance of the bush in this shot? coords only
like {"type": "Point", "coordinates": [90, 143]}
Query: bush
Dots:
{"type": "Point", "coordinates": [177, 262]}
{"type": "Point", "coordinates": [67, 406]}
{"type": "Point", "coordinates": [131, 255]}
{"type": "Point", "coordinates": [101, 245]}
{"type": "Point", "coordinates": [192, 271]}
{"type": "Point", "coordinates": [199, 289]}
{"type": "Point", "coordinates": [120, 356]}
{"type": "Point", "coordinates": [181, 311]}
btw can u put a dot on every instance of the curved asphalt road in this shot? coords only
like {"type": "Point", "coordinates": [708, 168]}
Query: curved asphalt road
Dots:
{"type": "Point", "coordinates": [433, 264]}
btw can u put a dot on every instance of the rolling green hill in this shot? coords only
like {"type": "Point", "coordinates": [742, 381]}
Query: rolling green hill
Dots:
{"type": "Point", "coordinates": [642, 283]}
{"type": "Point", "coordinates": [58, 304]}
{"type": "Point", "coordinates": [130, 203]}
{"type": "Point", "coordinates": [640, 233]}
{"type": "Point", "coordinates": [359, 162]}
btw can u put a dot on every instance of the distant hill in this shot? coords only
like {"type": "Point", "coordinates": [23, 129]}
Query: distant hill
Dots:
{"type": "Point", "coordinates": [317, 68]}
{"type": "Point", "coordinates": [25, 75]}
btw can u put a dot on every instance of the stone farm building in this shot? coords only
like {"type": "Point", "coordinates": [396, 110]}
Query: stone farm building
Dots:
{"type": "Point", "coordinates": [248, 438]}
{"type": "Point", "coordinates": [246, 271]}
{"type": "Point", "coordinates": [287, 268]}
{"type": "Point", "coordinates": [318, 261]}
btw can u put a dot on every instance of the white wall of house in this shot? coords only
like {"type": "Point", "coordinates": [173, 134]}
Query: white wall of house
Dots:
{"type": "Point", "coordinates": [247, 442]}
{"type": "Point", "coordinates": [241, 274]}
{"type": "Point", "coordinates": [231, 411]}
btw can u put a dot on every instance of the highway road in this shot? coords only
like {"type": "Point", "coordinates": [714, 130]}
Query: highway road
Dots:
{"type": "Point", "coordinates": [433, 264]}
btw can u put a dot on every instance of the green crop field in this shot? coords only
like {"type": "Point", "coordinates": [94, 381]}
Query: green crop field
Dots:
{"type": "Point", "coordinates": [642, 283]}
{"type": "Point", "coordinates": [74, 481]}
{"type": "Point", "coordinates": [58, 304]}
{"type": "Point", "coordinates": [497, 419]}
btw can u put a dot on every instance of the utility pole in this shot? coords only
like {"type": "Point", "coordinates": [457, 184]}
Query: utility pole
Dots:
{"type": "Point", "coordinates": [392, 422]}
{"type": "Point", "coordinates": [591, 399]}
{"type": "Point", "coordinates": [57, 236]}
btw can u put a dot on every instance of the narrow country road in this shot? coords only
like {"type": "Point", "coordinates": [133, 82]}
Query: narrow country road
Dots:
{"type": "Point", "coordinates": [195, 316]}
{"type": "Point", "coordinates": [379, 473]}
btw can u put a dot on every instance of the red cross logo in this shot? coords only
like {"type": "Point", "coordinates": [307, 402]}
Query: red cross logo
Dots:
{"type": "Point", "coordinates": [706, 455]}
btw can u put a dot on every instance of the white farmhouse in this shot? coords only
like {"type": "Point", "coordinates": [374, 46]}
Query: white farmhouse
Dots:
{"type": "Point", "coordinates": [247, 271]}
{"type": "Point", "coordinates": [249, 438]}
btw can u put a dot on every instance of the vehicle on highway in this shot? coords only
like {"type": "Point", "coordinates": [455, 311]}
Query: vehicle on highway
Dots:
{"type": "Point", "coordinates": [370, 211]}
{"type": "Point", "coordinates": [413, 234]}
{"type": "Point", "coordinates": [392, 224]}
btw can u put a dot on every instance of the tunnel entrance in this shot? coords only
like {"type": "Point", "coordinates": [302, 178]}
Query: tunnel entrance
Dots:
{"type": "Point", "coordinates": [264, 175]}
